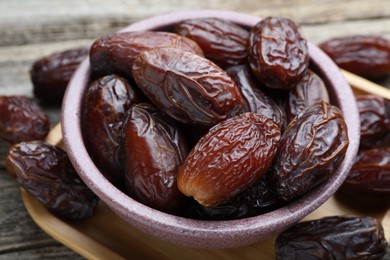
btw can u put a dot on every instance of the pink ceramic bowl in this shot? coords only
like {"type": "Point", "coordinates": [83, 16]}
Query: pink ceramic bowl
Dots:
{"type": "Point", "coordinates": [199, 233]}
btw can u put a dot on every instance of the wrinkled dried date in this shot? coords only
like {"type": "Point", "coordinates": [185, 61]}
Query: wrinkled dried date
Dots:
{"type": "Point", "coordinates": [374, 113]}
{"type": "Point", "coordinates": [46, 173]}
{"type": "Point", "coordinates": [115, 54]}
{"type": "Point", "coordinates": [254, 99]}
{"type": "Point", "coordinates": [21, 119]}
{"type": "Point", "coordinates": [50, 75]}
{"type": "Point", "coordinates": [336, 237]}
{"type": "Point", "coordinates": [222, 41]}
{"type": "Point", "coordinates": [311, 149]}
{"type": "Point", "coordinates": [278, 54]}
{"type": "Point", "coordinates": [154, 149]}
{"type": "Point", "coordinates": [105, 103]}
{"type": "Point", "coordinates": [310, 89]}
{"type": "Point", "coordinates": [365, 55]}
{"type": "Point", "coordinates": [186, 86]}
{"type": "Point", "coordinates": [230, 158]}
{"type": "Point", "coordinates": [255, 200]}
{"type": "Point", "coordinates": [370, 173]}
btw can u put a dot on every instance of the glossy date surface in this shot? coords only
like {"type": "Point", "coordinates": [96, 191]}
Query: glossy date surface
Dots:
{"type": "Point", "coordinates": [46, 173]}
{"type": "Point", "coordinates": [105, 104]}
{"type": "Point", "coordinates": [311, 149]}
{"type": "Point", "coordinates": [21, 119]}
{"type": "Point", "coordinates": [335, 237]}
{"type": "Point", "coordinates": [230, 158]}
{"type": "Point", "coordinates": [222, 41]}
{"type": "Point", "coordinates": [187, 87]}
{"type": "Point", "coordinates": [370, 173]}
{"type": "Point", "coordinates": [255, 100]}
{"type": "Point", "coordinates": [50, 75]}
{"type": "Point", "coordinates": [154, 149]}
{"type": "Point", "coordinates": [115, 54]}
{"type": "Point", "coordinates": [365, 55]}
{"type": "Point", "coordinates": [277, 52]}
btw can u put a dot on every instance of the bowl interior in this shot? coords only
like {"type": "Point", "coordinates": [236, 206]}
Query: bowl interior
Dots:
{"type": "Point", "coordinates": [200, 233]}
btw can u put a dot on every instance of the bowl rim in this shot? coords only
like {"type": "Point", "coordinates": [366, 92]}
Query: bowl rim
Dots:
{"type": "Point", "coordinates": [203, 233]}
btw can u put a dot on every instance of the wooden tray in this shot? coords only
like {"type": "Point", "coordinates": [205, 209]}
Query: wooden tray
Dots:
{"type": "Point", "coordinates": [106, 236]}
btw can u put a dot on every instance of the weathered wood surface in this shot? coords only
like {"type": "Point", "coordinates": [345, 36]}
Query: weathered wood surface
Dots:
{"type": "Point", "coordinates": [32, 29]}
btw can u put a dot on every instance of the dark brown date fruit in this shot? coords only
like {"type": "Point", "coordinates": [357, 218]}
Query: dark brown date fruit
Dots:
{"type": "Point", "coordinates": [105, 104]}
{"type": "Point", "coordinates": [223, 42]}
{"type": "Point", "coordinates": [255, 200]}
{"type": "Point", "coordinates": [154, 149]}
{"type": "Point", "coordinates": [365, 55]}
{"type": "Point", "coordinates": [46, 173]}
{"type": "Point", "coordinates": [21, 119]}
{"type": "Point", "coordinates": [311, 149]}
{"type": "Point", "coordinates": [230, 158]}
{"type": "Point", "coordinates": [50, 75]}
{"type": "Point", "coordinates": [255, 100]}
{"type": "Point", "coordinates": [115, 54]}
{"type": "Point", "coordinates": [370, 173]}
{"type": "Point", "coordinates": [336, 237]}
{"type": "Point", "coordinates": [374, 113]}
{"type": "Point", "coordinates": [309, 90]}
{"type": "Point", "coordinates": [187, 87]}
{"type": "Point", "coordinates": [278, 53]}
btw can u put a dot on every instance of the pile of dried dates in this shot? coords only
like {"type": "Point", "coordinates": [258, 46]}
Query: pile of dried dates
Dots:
{"type": "Point", "coordinates": [210, 121]}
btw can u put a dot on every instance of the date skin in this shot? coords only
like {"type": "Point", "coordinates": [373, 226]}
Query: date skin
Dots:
{"type": "Point", "coordinates": [187, 87]}
{"type": "Point", "coordinates": [154, 149]}
{"type": "Point", "coordinates": [370, 173]}
{"type": "Point", "coordinates": [335, 237]}
{"type": "Point", "coordinates": [374, 113]}
{"type": "Point", "coordinates": [223, 42]}
{"type": "Point", "coordinates": [115, 54]}
{"type": "Point", "coordinates": [230, 158]}
{"type": "Point", "coordinates": [277, 52]}
{"type": "Point", "coordinates": [309, 90]}
{"type": "Point", "coordinates": [50, 75]}
{"type": "Point", "coordinates": [46, 173]}
{"type": "Point", "coordinates": [310, 150]}
{"type": "Point", "coordinates": [255, 100]}
{"type": "Point", "coordinates": [21, 119]}
{"type": "Point", "coordinates": [105, 104]}
{"type": "Point", "coordinates": [365, 55]}
{"type": "Point", "coordinates": [257, 199]}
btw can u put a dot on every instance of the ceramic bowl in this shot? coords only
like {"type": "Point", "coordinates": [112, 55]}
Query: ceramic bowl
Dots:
{"type": "Point", "coordinates": [199, 233]}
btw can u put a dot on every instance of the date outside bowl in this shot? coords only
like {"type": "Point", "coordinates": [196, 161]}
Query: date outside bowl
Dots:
{"type": "Point", "coordinates": [201, 233]}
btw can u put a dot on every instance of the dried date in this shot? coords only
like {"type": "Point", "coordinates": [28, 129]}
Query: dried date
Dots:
{"type": "Point", "coordinates": [230, 158]}
{"type": "Point", "coordinates": [370, 173]}
{"type": "Point", "coordinates": [187, 87]}
{"type": "Point", "coordinates": [222, 41]}
{"type": "Point", "coordinates": [311, 149]}
{"type": "Point", "coordinates": [105, 104]}
{"type": "Point", "coordinates": [257, 199]}
{"type": "Point", "coordinates": [277, 52]}
{"type": "Point", "coordinates": [115, 54]}
{"type": "Point", "coordinates": [365, 55]}
{"type": "Point", "coordinates": [50, 75]}
{"type": "Point", "coordinates": [21, 119]}
{"type": "Point", "coordinates": [255, 100]}
{"type": "Point", "coordinates": [46, 173]}
{"type": "Point", "coordinates": [374, 113]}
{"type": "Point", "coordinates": [336, 237]}
{"type": "Point", "coordinates": [309, 90]}
{"type": "Point", "coordinates": [154, 149]}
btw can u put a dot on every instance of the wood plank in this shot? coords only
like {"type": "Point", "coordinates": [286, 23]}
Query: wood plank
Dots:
{"type": "Point", "coordinates": [41, 20]}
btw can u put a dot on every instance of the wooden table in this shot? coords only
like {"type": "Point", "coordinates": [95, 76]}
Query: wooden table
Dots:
{"type": "Point", "coordinates": [32, 29]}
